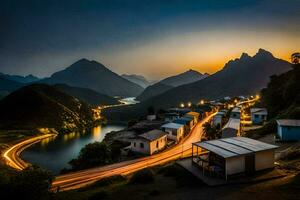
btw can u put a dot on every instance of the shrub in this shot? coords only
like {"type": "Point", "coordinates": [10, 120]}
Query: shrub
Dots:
{"type": "Point", "coordinates": [143, 176]}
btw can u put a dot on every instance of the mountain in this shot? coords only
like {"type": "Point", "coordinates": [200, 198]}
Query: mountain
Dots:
{"type": "Point", "coordinates": [87, 95]}
{"type": "Point", "coordinates": [137, 79]}
{"type": "Point", "coordinates": [95, 76]}
{"type": "Point", "coordinates": [6, 85]}
{"type": "Point", "coordinates": [40, 105]}
{"type": "Point", "coordinates": [21, 79]}
{"type": "Point", "coordinates": [170, 82]}
{"type": "Point", "coordinates": [243, 76]}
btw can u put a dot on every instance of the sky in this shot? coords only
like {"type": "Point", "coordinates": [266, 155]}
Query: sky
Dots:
{"type": "Point", "coordinates": [155, 38]}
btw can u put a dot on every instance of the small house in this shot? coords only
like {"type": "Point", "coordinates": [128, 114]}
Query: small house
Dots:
{"type": "Point", "coordinates": [194, 115]}
{"type": "Point", "coordinates": [236, 113]}
{"type": "Point", "coordinates": [258, 115]}
{"type": "Point", "coordinates": [169, 117]}
{"type": "Point", "coordinates": [187, 122]}
{"type": "Point", "coordinates": [217, 120]}
{"type": "Point", "coordinates": [151, 117]}
{"type": "Point", "coordinates": [232, 128]}
{"type": "Point", "coordinates": [149, 142]}
{"type": "Point", "coordinates": [233, 156]}
{"type": "Point", "coordinates": [175, 131]}
{"type": "Point", "coordinates": [288, 129]}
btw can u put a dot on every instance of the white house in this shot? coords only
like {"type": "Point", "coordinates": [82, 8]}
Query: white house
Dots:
{"type": "Point", "coordinates": [236, 113]}
{"type": "Point", "coordinates": [151, 117]}
{"type": "Point", "coordinates": [175, 131]}
{"type": "Point", "coordinates": [232, 128]}
{"type": "Point", "coordinates": [258, 115]}
{"type": "Point", "coordinates": [232, 156]}
{"type": "Point", "coordinates": [149, 142]}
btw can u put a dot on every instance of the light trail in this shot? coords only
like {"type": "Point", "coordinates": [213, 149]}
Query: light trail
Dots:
{"type": "Point", "coordinates": [12, 155]}
{"type": "Point", "coordinates": [83, 178]}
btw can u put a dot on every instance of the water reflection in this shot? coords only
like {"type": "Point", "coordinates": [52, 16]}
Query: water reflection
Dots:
{"type": "Point", "coordinates": [54, 153]}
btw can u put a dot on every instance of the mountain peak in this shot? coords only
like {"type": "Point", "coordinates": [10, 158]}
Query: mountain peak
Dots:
{"type": "Point", "coordinates": [263, 53]}
{"type": "Point", "coordinates": [244, 56]}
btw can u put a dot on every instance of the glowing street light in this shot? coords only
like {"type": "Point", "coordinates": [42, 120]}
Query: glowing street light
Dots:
{"type": "Point", "coordinates": [189, 104]}
{"type": "Point", "coordinates": [182, 105]}
{"type": "Point", "coordinates": [202, 102]}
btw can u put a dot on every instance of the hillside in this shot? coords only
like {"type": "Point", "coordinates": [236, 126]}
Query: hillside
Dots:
{"type": "Point", "coordinates": [87, 95]}
{"type": "Point", "coordinates": [95, 76]}
{"type": "Point", "coordinates": [7, 86]}
{"type": "Point", "coordinates": [137, 79]}
{"type": "Point", "coordinates": [282, 95]}
{"type": "Point", "coordinates": [40, 105]}
{"type": "Point", "coordinates": [162, 86]}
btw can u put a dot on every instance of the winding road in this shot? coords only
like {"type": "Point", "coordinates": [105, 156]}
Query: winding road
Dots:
{"type": "Point", "coordinates": [83, 178]}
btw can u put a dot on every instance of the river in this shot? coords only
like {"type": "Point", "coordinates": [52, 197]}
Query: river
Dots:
{"type": "Point", "coordinates": [54, 153]}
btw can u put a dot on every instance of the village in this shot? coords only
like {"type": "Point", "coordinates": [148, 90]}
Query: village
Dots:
{"type": "Point", "coordinates": [225, 153]}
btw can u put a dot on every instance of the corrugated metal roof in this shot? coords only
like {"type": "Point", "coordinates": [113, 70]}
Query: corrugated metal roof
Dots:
{"type": "Point", "coordinates": [153, 135]}
{"type": "Point", "coordinates": [235, 146]}
{"type": "Point", "coordinates": [288, 122]}
{"type": "Point", "coordinates": [236, 109]}
{"type": "Point", "coordinates": [196, 114]}
{"type": "Point", "coordinates": [233, 124]}
{"type": "Point", "coordinates": [172, 125]}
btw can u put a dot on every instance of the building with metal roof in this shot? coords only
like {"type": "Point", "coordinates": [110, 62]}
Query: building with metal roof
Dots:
{"type": "Point", "coordinates": [149, 142]}
{"type": "Point", "coordinates": [175, 131]}
{"type": "Point", "coordinates": [234, 155]}
{"type": "Point", "coordinates": [288, 129]}
{"type": "Point", "coordinates": [258, 115]}
{"type": "Point", "coordinates": [232, 128]}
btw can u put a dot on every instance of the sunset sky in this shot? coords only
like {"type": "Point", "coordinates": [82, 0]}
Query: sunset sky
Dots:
{"type": "Point", "coordinates": [149, 37]}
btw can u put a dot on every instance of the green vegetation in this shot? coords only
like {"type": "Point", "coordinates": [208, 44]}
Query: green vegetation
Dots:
{"type": "Point", "coordinates": [211, 132]}
{"type": "Point", "coordinates": [97, 154]}
{"type": "Point", "coordinates": [31, 183]}
{"type": "Point", "coordinates": [143, 176]}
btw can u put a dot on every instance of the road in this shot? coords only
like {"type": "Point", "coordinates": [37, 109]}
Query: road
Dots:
{"type": "Point", "coordinates": [12, 155]}
{"type": "Point", "coordinates": [83, 178]}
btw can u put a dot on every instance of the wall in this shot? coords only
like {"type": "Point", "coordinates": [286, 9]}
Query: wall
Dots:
{"type": "Point", "coordinates": [162, 142]}
{"type": "Point", "coordinates": [264, 159]}
{"type": "Point", "coordinates": [179, 133]}
{"type": "Point", "coordinates": [235, 165]}
{"type": "Point", "coordinates": [290, 133]}
{"type": "Point", "coordinates": [137, 147]}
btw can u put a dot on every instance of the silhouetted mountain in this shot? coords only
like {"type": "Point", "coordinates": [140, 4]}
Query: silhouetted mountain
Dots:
{"type": "Point", "coordinates": [39, 106]}
{"type": "Point", "coordinates": [243, 76]}
{"type": "Point", "coordinates": [137, 79]}
{"type": "Point", "coordinates": [87, 95]}
{"type": "Point", "coordinates": [95, 76]}
{"type": "Point", "coordinates": [7, 86]}
{"type": "Point", "coordinates": [170, 82]}
{"type": "Point", "coordinates": [21, 79]}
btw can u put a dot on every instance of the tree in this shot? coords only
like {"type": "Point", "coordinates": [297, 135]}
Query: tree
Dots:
{"type": "Point", "coordinates": [210, 131]}
{"type": "Point", "coordinates": [295, 58]}
{"type": "Point", "coordinates": [151, 110]}
{"type": "Point", "coordinates": [93, 154]}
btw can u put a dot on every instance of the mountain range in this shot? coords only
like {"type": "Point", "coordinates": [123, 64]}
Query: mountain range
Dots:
{"type": "Point", "coordinates": [21, 79]}
{"type": "Point", "coordinates": [137, 79]}
{"type": "Point", "coordinates": [166, 84]}
{"type": "Point", "coordinates": [93, 75]}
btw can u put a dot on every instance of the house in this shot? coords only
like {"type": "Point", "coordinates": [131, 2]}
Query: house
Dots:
{"type": "Point", "coordinates": [217, 120]}
{"type": "Point", "coordinates": [232, 128]}
{"type": "Point", "coordinates": [233, 156]}
{"type": "Point", "coordinates": [187, 122]}
{"type": "Point", "coordinates": [194, 115]}
{"type": "Point", "coordinates": [169, 117]}
{"type": "Point", "coordinates": [149, 142]}
{"type": "Point", "coordinates": [258, 115]}
{"type": "Point", "coordinates": [175, 131]}
{"type": "Point", "coordinates": [151, 117]}
{"type": "Point", "coordinates": [288, 129]}
{"type": "Point", "coordinates": [236, 113]}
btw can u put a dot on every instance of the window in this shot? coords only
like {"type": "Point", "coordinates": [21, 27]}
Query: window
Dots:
{"type": "Point", "coordinates": [142, 145]}
{"type": "Point", "coordinates": [157, 144]}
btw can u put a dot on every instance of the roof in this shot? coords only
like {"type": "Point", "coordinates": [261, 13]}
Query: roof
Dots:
{"type": "Point", "coordinates": [196, 114]}
{"type": "Point", "coordinates": [172, 125]}
{"type": "Point", "coordinates": [262, 111]}
{"type": "Point", "coordinates": [234, 146]}
{"type": "Point", "coordinates": [153, 135]}
{"type": "Point", "coordinates": [288, 122]}
{"type": "Point", "coordinates": [233, 124]}
{"type": "Point", "coordinates": [182, 120]}
{"type": "Point", "coordinates": [171, 114]}
{"type": "Point", "coordinates": [220, 113]}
